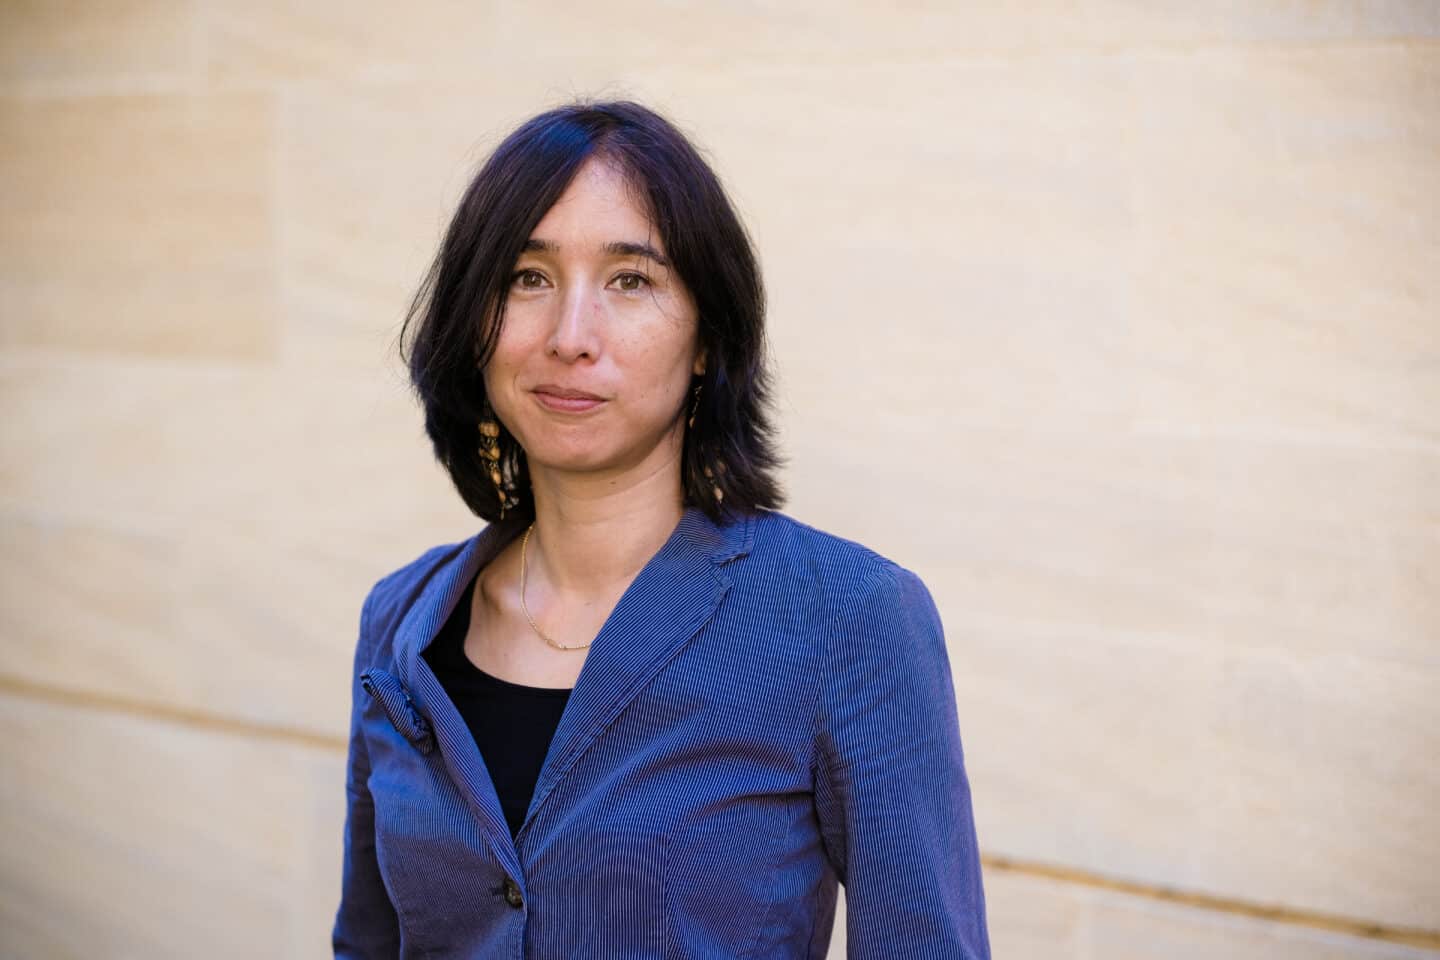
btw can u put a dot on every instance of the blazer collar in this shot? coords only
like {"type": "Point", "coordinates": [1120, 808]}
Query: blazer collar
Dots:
{"type": "Point", "coordinates": [674, 595]}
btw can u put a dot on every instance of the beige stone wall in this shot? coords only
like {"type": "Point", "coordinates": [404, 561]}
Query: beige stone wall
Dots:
{"type": "Point", "coordinates": [1119, 322]}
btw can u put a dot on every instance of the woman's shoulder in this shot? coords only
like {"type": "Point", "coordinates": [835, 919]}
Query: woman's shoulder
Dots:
{"type": "Point", "coordinates": [876, 610]}
{"type": "Point", "coordinates": [778, 530]}
{"type": "Point", "coordinates": [825, 560]}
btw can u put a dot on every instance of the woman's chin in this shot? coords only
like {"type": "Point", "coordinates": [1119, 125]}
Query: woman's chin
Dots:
{"type": "Point", "coordinates": [599, 463]}
{"type": "Point", "coordinates": [572, 461]}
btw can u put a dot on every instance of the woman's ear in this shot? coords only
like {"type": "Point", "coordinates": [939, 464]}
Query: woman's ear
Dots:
{"type": "Point", "coordinates": [698, 367]}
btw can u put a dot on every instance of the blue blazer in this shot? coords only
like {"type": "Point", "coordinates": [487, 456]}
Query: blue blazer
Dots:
{"type": "Point", "coordinates": [768, 711]}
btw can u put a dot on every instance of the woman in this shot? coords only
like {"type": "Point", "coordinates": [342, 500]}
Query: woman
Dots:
{"type": "Point", "coordinates": [641, 713]}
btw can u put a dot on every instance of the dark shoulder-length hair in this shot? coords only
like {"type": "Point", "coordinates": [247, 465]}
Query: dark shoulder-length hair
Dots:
{"type": "Point", "coordinates": [730, 458]}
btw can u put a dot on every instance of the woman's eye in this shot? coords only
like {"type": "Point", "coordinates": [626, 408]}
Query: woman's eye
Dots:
{"type": "Point", "coordinates": [528, 279]}
{"type": "Point", "coordinates": [631, 282]}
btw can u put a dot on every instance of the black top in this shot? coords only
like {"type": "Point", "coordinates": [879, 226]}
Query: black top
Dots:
{"type": "Point", "coordinates": [512, 724]}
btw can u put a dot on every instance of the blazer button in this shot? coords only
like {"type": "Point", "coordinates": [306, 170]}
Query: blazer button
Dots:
{"type": "Point", "coordinates": [512, 894]}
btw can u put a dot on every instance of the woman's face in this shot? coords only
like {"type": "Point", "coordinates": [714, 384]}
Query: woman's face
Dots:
{"type": "Point", "coordinates": [593, 363]}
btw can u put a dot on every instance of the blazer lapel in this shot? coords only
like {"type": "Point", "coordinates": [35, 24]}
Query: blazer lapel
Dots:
{"type": "Point", "coordinates": [457, 745]}
{"type": "Point", "coordinates": [669, 601]}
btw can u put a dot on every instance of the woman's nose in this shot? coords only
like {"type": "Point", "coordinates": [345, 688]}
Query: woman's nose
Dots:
{"type": "Point", "coordinates": [574, 334]}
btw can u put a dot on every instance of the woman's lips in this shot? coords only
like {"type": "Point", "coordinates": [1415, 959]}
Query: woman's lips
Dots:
{"type": "Point", "coordinates": [553, 401]}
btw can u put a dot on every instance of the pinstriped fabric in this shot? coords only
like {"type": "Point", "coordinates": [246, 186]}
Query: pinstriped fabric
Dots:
{"type": "Point", "coordinates": [768, 712]}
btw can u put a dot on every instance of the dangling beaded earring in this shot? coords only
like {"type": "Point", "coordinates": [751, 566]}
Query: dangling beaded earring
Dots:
{"type": "Point", "coordinates": [715, 487]}
{"type": "Point", "coordinates": [694, 405]}
{"type": "Point", "coordinates": [490, 450]}
{"type": "Point", "coordinates": [709, 474]}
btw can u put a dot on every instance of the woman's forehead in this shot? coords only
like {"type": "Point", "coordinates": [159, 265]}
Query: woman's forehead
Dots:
{"type": "Point", "coordinates": [599, 198]}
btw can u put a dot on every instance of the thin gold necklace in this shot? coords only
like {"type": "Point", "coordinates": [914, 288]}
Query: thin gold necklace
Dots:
{"type": "Point", "coordinates": [524, 543]}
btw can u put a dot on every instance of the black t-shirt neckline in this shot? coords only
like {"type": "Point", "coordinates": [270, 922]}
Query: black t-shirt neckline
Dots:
{"type": "Point", "coordinates": [512, 723]}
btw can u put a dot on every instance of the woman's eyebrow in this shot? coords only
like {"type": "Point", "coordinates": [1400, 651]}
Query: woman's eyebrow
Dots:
{"type": "Point", "coordinates": [615, 248]}
{"type": "Point", "coordinates": [625, 248]}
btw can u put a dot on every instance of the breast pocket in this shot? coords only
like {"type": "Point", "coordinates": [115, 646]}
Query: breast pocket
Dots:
{"type": "Point", "coordinates": [720, 775]}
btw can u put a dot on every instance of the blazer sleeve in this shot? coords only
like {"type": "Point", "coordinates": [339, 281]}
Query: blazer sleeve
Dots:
{"type": "Point", "coordinates": [366, 925]}
{"type": "Point", "coordinates": [892, 796]}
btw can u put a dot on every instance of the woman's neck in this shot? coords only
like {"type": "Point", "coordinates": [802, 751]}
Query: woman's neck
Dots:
{"type": "Point", "coordinates": [589, 538]}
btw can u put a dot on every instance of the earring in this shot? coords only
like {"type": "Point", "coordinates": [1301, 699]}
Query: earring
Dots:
{"type": "Point", "coordinates": [715, 487]}
{"type": "Point", "coordinates": [694, 405]}
{"type": "Point", "coordinates": [490, 451]}
{"type": "Point", "coordinates": [709, 474]}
